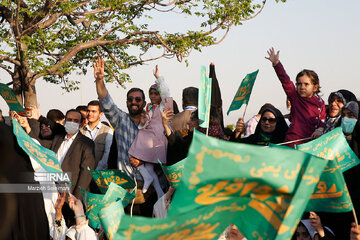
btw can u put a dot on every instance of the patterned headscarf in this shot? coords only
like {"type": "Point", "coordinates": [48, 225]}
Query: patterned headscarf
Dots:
{"type": "Point", "coordinates": [156, 87]}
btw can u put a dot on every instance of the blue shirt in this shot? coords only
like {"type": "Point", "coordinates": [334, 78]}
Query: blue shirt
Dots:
{"type": "Point", "coordinates": [125, 131]}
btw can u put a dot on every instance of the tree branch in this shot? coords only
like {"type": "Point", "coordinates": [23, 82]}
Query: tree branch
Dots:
{"type": "Point", "coordinates": [256, 13]}
{"type": "Point", "coordinates": [6, 69]}
{"type": "Point", "coordinates": [10, 60]}
{"type": "Point", "coordinates": [5, 13]}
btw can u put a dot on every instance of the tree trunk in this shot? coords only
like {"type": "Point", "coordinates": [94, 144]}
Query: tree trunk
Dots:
{"type": "Point", "coordinates": [23, 88]}
{"type": "Point", "coordinates": [29, 93]}
{"type": "Point", "coordinates": [17, 84]}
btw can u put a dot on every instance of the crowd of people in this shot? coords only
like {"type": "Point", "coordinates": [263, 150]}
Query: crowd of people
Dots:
{"type": "Point", "coordinates": [133, 141]}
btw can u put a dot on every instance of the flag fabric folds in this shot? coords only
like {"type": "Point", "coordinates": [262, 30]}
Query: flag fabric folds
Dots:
{"type": "Point", "coordinates": [94, 203]}
{"type": "Point", "coordinates": [331, 193]}
{"type": "Point", "coordinates": [332, 146]}
{"type": "Point", "coordinates": [45, 157]}
{"type": "Point", "coordinates": [277, 184]}
{"type": "Point", "coordinates": [204, 101]}
{"type": "Point", "coordinates": [103, 178]}
{"type": "Point", "coordinates": [243, 93]}
{"type": "Point", "coordinates": [173, 173]}
{"type": "Point", "coordinates": [225, 183]}
{"type": "Point", "coordinates": [10, 98]}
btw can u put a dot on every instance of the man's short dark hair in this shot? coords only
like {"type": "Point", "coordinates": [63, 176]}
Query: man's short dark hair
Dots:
{"type": "Point", "coordinates": [55, 115]}
{"type": "Point", "coordinates": [75, 110]}
{"type": "Point", "coordinates": [190, 96]}
{"type": "Point", "coordinates": [264, 107]}
{"type": "Point", "coordinates": [95, 103]}
{"type": "Point", "coordinates": [81, 108]}
{"type": "Point", "coordinates": [136, 90]}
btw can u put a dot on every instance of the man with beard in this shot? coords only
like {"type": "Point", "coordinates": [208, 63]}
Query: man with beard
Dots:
{"type": "Point", "coordinates": [125, 124]}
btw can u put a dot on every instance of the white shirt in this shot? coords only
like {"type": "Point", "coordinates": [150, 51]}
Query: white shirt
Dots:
{"type": "Point", "coordinates": [108, 141]}
{"type": "Point", "coordinates": [250, 125]}
{"type": "Point", "coordinates": [64, 147]}
{"type": "Point", "coordinates": [92, 133]}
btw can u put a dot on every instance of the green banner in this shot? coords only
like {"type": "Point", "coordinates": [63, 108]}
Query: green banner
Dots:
{"type": "Point", "coordinates": [204, 223]}
{"type": "Point", "coordinates": [10, 98]}
{"type": "Point", "coordinates": [277, 184]}
{"type": "Point", "coordinates": [93, 205]}
{"type": "Point", "coordinates": [116, 193]}
{"type": "Point", "coordinates": [243, 93]}
{"type": "Point", "coordinates": [103, 178]}
{"type": "Point", "coordinates": [332, 145]}
{"type": "Point", "coordinates": [331, 193]}
{"type": "Point", "coordinates": [45, 157]}
{"type": "Point", "coordinates": [110, 219]}
{"type": "Point", "coordinates": [173, 172]}
{"type": "Point", "coordinates": [204, 101]}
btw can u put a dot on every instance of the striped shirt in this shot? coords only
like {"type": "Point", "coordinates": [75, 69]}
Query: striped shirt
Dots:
{"type": "Point", "coordinates": [125, 131]}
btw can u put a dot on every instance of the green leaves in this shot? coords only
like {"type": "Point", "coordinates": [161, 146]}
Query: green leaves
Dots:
{"type": "Point", "coordinates": [57, 38]}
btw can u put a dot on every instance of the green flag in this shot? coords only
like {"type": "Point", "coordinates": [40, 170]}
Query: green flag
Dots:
{"type": "Point", "coordinates": [116, 193]}
{"type": "Point", "coordinates": [110, 219]}
{"type": "Point", "coordinates": [277, 184]}
{"type": "Point", "coordinates": [10, 99]}
{"type": "Point", "coordinates": [332, 145]}
{"type": "Point", "coordinates": [93, 205]}
{"type": "Point", "coordinates": [204, 101]}
{"type": "Point", "coordinates": [103, 178]}
{"type": "Point", "coordinates": [204, 223]}
{"type": "Point", "coordinates": [331, 193]}
{"type": "Point", "coordinates": [243, 93]}
{"type": "Point", "coordinates": [45, 157]}
{"type": "Point", "coordinates": [173, 172]}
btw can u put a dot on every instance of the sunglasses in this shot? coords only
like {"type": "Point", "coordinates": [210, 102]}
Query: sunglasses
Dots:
{"type": "Point", "coordinates": [137, 99]}
{"type": "Point", "coordinates": [270, 120]}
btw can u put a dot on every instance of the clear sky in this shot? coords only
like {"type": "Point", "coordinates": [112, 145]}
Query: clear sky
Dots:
{"type": "Point", "coordinates": [322, 35]}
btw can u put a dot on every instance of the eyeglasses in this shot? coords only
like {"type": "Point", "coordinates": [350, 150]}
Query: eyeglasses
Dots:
{"type": "Point", "coordinates": [270, 120]}
{"type": "Point", "coordinates": [137, 99]}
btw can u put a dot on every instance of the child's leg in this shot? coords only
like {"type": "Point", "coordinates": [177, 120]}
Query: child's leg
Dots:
{"type": "Point", "coordinates": [150, 168]}
{"type": "Point", "coordinates": [148, 179]}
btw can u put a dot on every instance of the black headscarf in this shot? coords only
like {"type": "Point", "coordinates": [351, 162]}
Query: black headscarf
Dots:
{"type": "Point", "coordinates": [275, 137]}
{"type": "Point", "coordinates": [333, 122]}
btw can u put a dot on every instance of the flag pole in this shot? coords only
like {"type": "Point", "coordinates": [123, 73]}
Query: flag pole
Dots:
{"type": "Point", "coordinates": [243, 133]}
{"type": "Point", "coordinates": [297, 140]}
{"type": "Point", "coordinates": [244, 112]}
{"type": "Point", "coordinates": [356, 221]}
{"type": "Point", "coordinates": [354, 213]}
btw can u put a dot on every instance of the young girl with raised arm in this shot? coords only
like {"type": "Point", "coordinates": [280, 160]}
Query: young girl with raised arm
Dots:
{"type": "Point", "coordinates": [150, 143]}
{"type": "Point", "coordinates": [307, 108]}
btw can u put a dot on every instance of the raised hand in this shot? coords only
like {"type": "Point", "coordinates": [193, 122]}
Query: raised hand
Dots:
{"type": "Point", "coordinates": [58, 205]}
{"type": "Point", "coordinates": [156, 71]}
{"type": "Point", "coordinates": [21, 120]}
{"type": "Point", "coordinates": [76, 205]}
{"type": "Point", "coordinates": [315, 221]}
{"type": "Point", "coordinates": [273, 57]}
{"type": "Point", "coordinates": [35, 112]}
{"type": "Point", "coordinates": [143, 118]}
{"type": "Point", "coordinates": [354, 232]}
{"type": "Point", "coordinates": [166, 115]}
{"type": "Point", "coordinates": [99, 68]}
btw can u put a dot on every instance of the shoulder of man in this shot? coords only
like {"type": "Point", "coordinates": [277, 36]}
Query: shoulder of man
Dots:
{"type": "Point", "coordinates": [84, 140]}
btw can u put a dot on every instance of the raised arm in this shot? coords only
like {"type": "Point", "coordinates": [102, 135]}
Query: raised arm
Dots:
{"type": "Point", "coordinates": [99, 78]}
{"type": "Point", "coordinates": [164, 89]}
{"type": "Point", "coordinates": [273, 57]}
{"type": "Point", "coordinates": [286, 83]}
{"type": "Point", "coordinates": [166, 116]}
